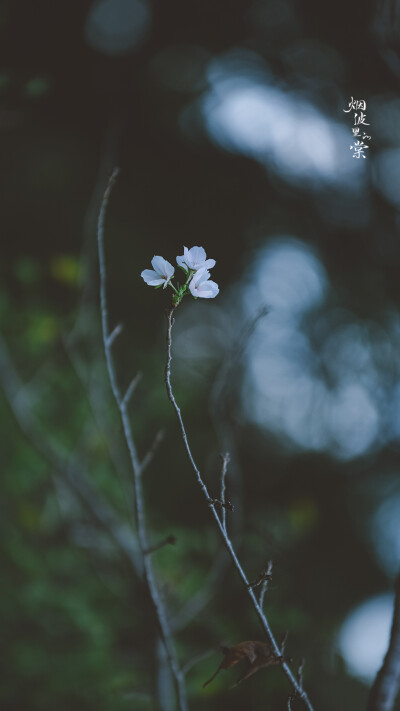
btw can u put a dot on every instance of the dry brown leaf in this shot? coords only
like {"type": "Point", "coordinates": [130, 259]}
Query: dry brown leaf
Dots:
{"type": "Point", "coordinates": [256, 654]}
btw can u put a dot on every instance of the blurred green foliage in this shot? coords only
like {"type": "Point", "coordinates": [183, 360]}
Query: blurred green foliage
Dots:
{"type": "Point", "coordinates": [77, 628]}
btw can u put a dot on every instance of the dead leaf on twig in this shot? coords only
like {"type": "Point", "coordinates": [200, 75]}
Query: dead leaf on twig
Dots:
{"type": "Point", "coordinates": [256, 654]}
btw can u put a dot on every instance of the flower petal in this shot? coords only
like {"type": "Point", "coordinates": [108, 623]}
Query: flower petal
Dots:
{"type": "Point", "coordinates": [209, 263]}
{"type": "Point", "coordinates": [201, 275]}
{"type": "Point", "coordinates": [181, 262]}
{"type": "Point", "coordinates": [151, 278]}
{"type": "Point", "coordinates": [162, 267]}
{"type": "Point", "coordinates": [197, 256]}
{"type": "Point", "coordinates": [208, 290]}
{"type": "Point", "coordinates": [169, 269]}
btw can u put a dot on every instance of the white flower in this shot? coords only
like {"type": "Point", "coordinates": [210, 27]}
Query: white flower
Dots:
{"type": "Point", "coordinates": [162, 274]}
{"type": "Point", "coordinates": [195, 258]}
{"type": "Point", "coordinates": [201, 285]}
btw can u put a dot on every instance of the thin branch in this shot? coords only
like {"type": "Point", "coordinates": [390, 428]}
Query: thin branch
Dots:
{"type": "Point", "coordinates": [114, 334]}
{"type": "Point", "coordinates": [265, 586]}
{"type": "Point", "coordinates": [387, 683]}
{"type": "Point", "coordinates": [108, 157]}
{"type": "Point", "coordinates": [220, 410]}
{"type": "Point", "coordinates": [131, 387]}
{"type": "Point", "coordinates": [202, 597]}
{"type": "Point", "coordinates": [239, 346]}
{"type": "Point", "coordinates": [196, 660]}
{"type": "Point", "coordinates": [300, 671]}
{"type": "Point", "coordinates": [148, 457]}
{"type": "Point", "coordinates": [283, 648]}
{"type": "Point", "coordinates": [164, 690]}
{"type": "Point", "coordinates": [228, 545]}
{"type": "Point", "coordinates": [225, 461]}
{"type": "Point", "coordinates": [264, 577]}
{"type": "Point", "coordinates": [158, 606]}
{"type": "Point", "coordinates": [168, 541]}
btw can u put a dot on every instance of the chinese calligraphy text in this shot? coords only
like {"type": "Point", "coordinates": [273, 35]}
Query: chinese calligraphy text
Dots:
{"type": "Point", "coordinates": [359, 107]}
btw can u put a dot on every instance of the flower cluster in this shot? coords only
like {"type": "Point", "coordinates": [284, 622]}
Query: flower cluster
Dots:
{"type": "Point", "coordinates": [194, 264]}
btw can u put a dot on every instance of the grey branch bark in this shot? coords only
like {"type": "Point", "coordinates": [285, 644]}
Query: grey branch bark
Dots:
{"type": "Point", "coordinates": [297, 688]}
{"type": "Point", "coordinates": [122, 404]}
{"type": "Point", "coordinates": [387, 683]}
{"type": "Point", "coordinates": [224, 468]}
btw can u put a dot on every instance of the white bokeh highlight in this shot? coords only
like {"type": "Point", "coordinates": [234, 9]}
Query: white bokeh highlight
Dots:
{"type": "Point", "coordinates": [364, 637]}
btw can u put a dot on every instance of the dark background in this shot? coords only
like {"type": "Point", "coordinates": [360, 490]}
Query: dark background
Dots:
{"type": "Point", "coordinates": [306, 399]}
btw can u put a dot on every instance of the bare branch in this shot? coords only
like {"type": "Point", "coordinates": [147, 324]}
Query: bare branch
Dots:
{"type": "Point", "coordinates": [264, 577]}
{"type": "Point", "coordinates": [228, 545]}
{"type": "Point", "coordinates": [300, 672]}
{"type": "Point", "coordinates": [168, 541]}
{"type": "Point", "coordinates": [283, 646]}
{"type": "Point", "coordinates": [265, 584]}
{"type": "Point", "coordinates": [226, 505]}
{"type": "Point", "coordinates": [131, 389]}
{"type": "Point", "coordinates": [225, 461]}
{"type": "Point", "coordinates": [196, 660]}
{"type": "Point", "coordinates": [387, 683]}
{"type": "Point", "coordinates": [202, 597]}
{"type": "Point", "coordinates": [154, 595]}
{"type": "Point", "coordinates": [153, 449]}
{"type": "Point", "coordinates": [221, 412]}
{"type": "Point", "coordinates": [114, 334]}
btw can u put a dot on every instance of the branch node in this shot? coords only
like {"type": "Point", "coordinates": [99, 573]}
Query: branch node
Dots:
{"type": "Point", "coordinates": [264, 577]}
{"type": "Point", "coordinates": [168, 541]}
{"type": "Point", "coordinates": [221, 504]}
{"type": "Point", "coordinates": [283, 643]}
{"type": "Point", "coordinates": [130, 389]}
{"type": "Point", "coordinates": [300, 672]}
{"type": "Point", "coordinates": [264, 585]}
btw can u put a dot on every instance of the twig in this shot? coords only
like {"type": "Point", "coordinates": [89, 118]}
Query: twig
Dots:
{"type": "Point", "coordinates": [387, 683]}
{"type": "Point", "coordinates": [283, 648]}
{"type": "Point", "coordinates": [220, 411]}
{"type": "Point", "coordinates": [228, 545]}
{"type": "Point", "coordinates": [225, 461]}
{"type": "Point", "coordinates": [219, 504]}
{"type": "Point", "coordinates": [164, 697]}
{"type": "Point", "coordinates": [121, 402]}
{"type": "Point", "coordinates": [168, 541]}
{"type": "Point", "coordinates": [153, 449]}
{"type": "Point", "coordinates": [300, 671]}
{"type": "Point", "coordinates": [264, 577]}
{"type": "Point", "coordinates": [109, 151]}
{"type": "Point", "coordinates": [114, 334]}
{"type": "Point", "coordinates": [131, 387]}
{"type": "Point", "coordinates": [196, 660]}
{"type": "Point", "coordinates": [202, 597]}
{"type": "Point", "coordinates": [265, 585]}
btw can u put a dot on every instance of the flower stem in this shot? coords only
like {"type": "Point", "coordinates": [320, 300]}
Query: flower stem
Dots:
{"type": "Point", "coordinates": [297, 686]}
